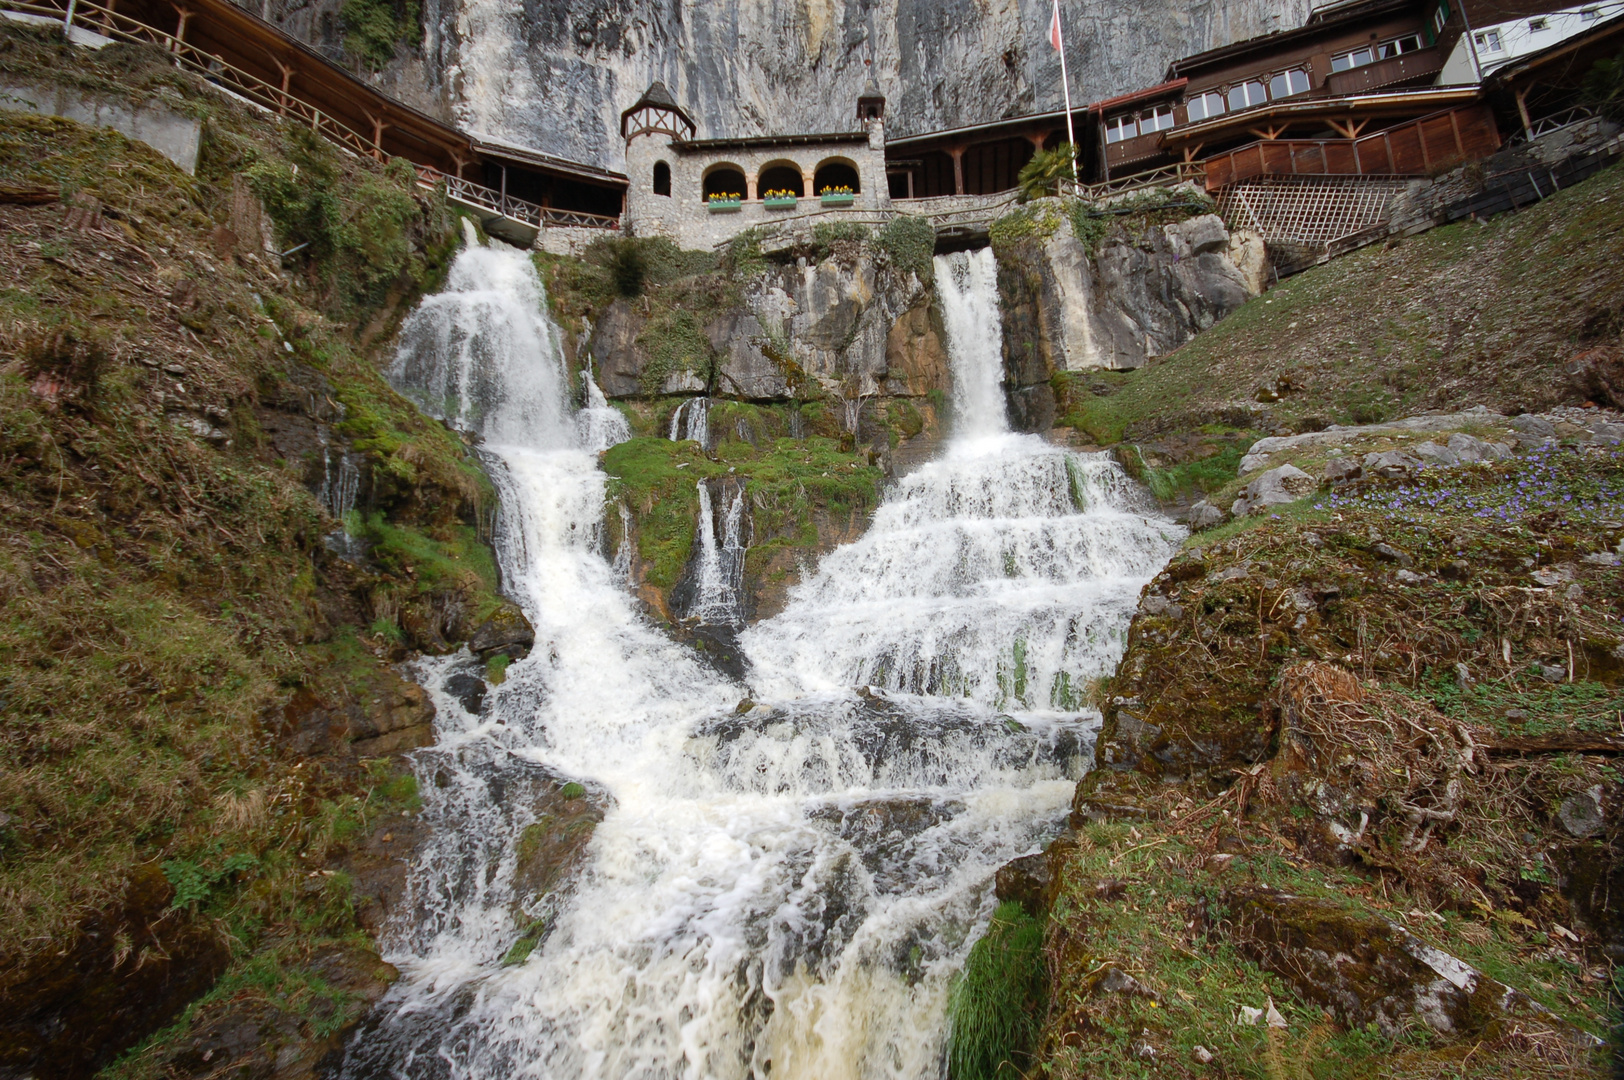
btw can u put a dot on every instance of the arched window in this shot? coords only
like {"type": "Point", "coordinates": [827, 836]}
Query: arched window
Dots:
{"type": "Point", "coordinates": [662, 178]}
{"type": "Point", "coordinates": [835, 173]}
{"type": "Point", "coordinates": [781, 176]}
{"type": "Point", "coordinates": [723, 180]}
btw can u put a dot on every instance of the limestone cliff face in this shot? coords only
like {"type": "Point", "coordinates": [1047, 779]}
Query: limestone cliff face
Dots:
{"type": "Point", "coordinates": [554, 74]}
{"type": "Point", "coordinates": [1141, 294]}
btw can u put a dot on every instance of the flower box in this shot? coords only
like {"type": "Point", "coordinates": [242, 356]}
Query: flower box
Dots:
{"type": "Point", "coordinates": [724, 206]}
{"type": "Point", "coordinates": [832, 199]}
{"type": "Point", "coordinates": [779, 202]}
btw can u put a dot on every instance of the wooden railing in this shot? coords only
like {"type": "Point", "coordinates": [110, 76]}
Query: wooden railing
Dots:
{"type": "Point", "coordinates": [97, 19]}
{"type": "Point", "coordinates": [503, 205]}
{"type": "Point", "coordinates": [1435, 142]}
{"type": "Point", "coordinates": [1181, 172]}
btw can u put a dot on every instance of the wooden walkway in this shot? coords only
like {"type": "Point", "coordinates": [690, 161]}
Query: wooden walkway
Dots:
{"type": "Point", "coordinates": [252, 60]}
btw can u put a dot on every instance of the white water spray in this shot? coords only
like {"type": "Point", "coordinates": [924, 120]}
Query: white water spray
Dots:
{"type": "Point", "coordinates": [785, 889]}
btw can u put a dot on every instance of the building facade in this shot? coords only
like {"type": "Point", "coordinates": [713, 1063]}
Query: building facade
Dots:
{"type": "Point", "coordinates": [702, 192]}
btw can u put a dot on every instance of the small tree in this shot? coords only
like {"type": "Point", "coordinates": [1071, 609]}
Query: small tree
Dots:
{"type": "Point", "coordinates": [1043, 174]}
{"type": "Point", "coordinates": [1604, 88]}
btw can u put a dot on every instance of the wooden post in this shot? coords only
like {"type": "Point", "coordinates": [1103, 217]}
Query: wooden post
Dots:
{"type": "Point", "coordinates": [1454, 124]}
{"type": "Point", "coordinates": [957, 154]}
{"type": "Point", "coordinates": [287, 80]}
{"type": "Point", "coordinates": [1522, 110]}
{"type": "Point", "coordinates": [107, 17]}
{"type": "Point", "coordinates": [377, 137]}
{"type": "Point", "coordinates": [502, 206]}
{"type": "Point", "coordinates": [180, 28]}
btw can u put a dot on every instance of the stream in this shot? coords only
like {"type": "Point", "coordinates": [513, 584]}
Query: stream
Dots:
{"type": "Point", "coordinates": [789, 871]}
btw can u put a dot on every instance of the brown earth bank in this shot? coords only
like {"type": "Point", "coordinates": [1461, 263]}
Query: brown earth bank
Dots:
{"type": "Point", "coordinates": [1356, 805]}
{"type": "Point", "coordinates": [204, 815]}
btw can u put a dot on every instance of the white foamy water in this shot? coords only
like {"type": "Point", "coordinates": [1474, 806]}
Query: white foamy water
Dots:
{"type": "Point", "coordinates": [782, 889]}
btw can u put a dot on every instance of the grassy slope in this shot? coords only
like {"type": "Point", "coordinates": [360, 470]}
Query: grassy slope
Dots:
{"type": "Point", "coordinates": [1470, 314]}
{"type": "Point", "coordinates": [1461, 315]}
{"type": "Point", "coordinates": [158, 594]}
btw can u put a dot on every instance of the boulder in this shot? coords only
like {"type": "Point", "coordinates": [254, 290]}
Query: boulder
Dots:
{"type": "Point", "coordinates": [1340, 470]}
{"type": "Point", "coordinates": [1435, 456]}
{"type": "Point", "coordinates": [1204, 515]}
{"type": "Point", "coordinates": [1027, 881]}
{"type": "Point", "coordinates": [1598, 374]}
{"type": "Point", "coordinates": [1581, 814]}
{"type": "Point", "coordinates": [1469, 449]}
{"type": "Point", "coordinates": [1284, 484]}
{"type": "Point", "coordinates": [1392, 465]}
{"type": "Point", "coordinates": [1367, 970]}
{"type": "Point", "coordinates": [1607, 434]}
{"type": "Point", "coordinates": [505, 631]}
{"type": "Point", "coordinates": [1538, 426]}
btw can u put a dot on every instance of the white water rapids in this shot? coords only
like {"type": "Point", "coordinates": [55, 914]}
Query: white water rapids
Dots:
{"type": "Point", "coordinates": [782, 890]}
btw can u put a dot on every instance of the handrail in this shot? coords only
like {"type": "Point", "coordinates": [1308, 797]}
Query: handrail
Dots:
{"type": "Point", "coordinates": [1164, 176]}
{"type": "Point", "coordinates": [97, 19]}
{"type": "Point", "coordinates": [1555, 122]}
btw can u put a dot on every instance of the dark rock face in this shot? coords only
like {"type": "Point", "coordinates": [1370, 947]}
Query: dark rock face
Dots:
{"type": "Point", "coordinates": [1143, 295]}
{"type": "Point", "coordinates": [1366, 970]}
{"type": "Point", "coordinates": [1598, 374]}
{"type": "Point", "coordinates": [506, 631]}
{"type": "Point", "coordinates": [131, 971]}
{"type": "Point", "coordinates": [381, 715]}
{"type": "Point", "coordinates": [258, 1040]}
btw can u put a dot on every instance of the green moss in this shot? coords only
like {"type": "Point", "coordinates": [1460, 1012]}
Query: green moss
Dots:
{"type": "Point", "coordinates": [1207, 474]}
{"type": "Point", "coordinates": [373, 29]}
{"type": "Point", "coordinates": [572, 790]}
{"type": "Point", "coordinates": [1037, 222]}
{"type": "Point", "coordinates": [998, 1000]}
{"type": "Point", "coordinates": [787, 481]}
{"type": "Point", "coordinates": [674, 341]}
{"type": "Point", "coordinates": [909, 243]}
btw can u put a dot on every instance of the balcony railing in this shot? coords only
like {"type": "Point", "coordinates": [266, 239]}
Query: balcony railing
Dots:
{"type": "Point", "coordinates": [1419, 66]}
{"type": "Point", "coordinates": [108, 23]}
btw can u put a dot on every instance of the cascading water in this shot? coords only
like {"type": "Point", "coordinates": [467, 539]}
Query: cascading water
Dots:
{"type": "Point", "coordinates": [691, 420]}
{"type": "Point", "coordinates": [719, 580]}
{"type": "Point", "coordinates": [782, 888]}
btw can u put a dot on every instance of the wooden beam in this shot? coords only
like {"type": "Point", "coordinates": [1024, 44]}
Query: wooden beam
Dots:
{"type": "Point", "coordinates": [957, 154]}
{"type": "Point", "coordinates": [1522, 108]}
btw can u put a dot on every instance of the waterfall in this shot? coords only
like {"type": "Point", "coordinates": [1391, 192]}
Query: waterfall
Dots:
{"type": "Point", "coordinates": [719, 577]}
{"type": "Point", "coordinates": [967, 286]}
{"type": "Point", "coordinates": [340, 485]}
{"type": "Point", "coordinates": [599, 425]}
{"type": "Point", "coordinates": [691, 420]}
{"type": "Point", "coordinates": [781, 886]}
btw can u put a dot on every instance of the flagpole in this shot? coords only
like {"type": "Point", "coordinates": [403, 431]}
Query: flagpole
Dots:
{"type": "Point", "coordinates": [1065, 84]}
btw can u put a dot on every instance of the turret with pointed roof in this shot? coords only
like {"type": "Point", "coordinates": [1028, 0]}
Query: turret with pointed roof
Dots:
{"type": "Point", "coordinates": [657, 110]}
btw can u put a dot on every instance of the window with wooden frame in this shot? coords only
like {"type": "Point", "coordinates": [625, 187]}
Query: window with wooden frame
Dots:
{"type": "Point", "coordinates": [1489, 41]}
{"type": "Point", "coordinates": [1359, 57]}
{"type": "Point", "coordinates": [1440, 19]}
{"type": "Point", "coordinates": [1536, 25]}
{"type": "Point", "coordinates": [1156, 118]}
{"type": "Point", "coordinates": [1119, 128]}
{"type": "Point", "coordinates": [1287, 83]}
{"type": "Point", "coordinates": [1409, 43]}
{"type": "Point", "coordinates": [1205, 106]}
{"type": "Point", "coordinates": [1245, 95]}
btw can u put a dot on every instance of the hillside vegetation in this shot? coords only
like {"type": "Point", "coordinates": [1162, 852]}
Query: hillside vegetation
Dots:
{"type": "Point", "coordinates": [1467, 314]}
{"type": "Point", "coordinates": [198, 714]}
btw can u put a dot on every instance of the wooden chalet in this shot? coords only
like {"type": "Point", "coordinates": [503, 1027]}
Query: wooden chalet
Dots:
{"type": "Point", "coordinates": [256, 61]}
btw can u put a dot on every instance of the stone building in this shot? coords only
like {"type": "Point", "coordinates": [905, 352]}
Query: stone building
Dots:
{"type": "Point", "coordinates": [679, 185]}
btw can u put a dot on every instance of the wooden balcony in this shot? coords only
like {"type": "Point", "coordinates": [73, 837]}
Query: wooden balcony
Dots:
{"type": "Point", "coordinates": [1417, 148]}
{"type": "Point", "coordinates": [1410, 69]}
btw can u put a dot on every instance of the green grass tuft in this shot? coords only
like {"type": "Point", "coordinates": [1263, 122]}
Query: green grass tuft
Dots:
{"type": "Point", "coordinates": [998, 1000]}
